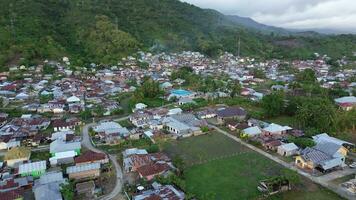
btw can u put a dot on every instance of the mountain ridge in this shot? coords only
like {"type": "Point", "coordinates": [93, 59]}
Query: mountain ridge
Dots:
{"type": "Point", "coordinates": [107, 30]}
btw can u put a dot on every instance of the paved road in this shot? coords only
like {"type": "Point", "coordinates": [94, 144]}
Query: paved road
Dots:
{"type": "Point", "coordinates": [321, 180]}
{"type": "Point", "coordinates": [86, 142]}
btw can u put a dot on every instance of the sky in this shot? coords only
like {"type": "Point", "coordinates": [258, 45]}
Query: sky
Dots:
{"type": "Point", "coordinates": [337, 15]}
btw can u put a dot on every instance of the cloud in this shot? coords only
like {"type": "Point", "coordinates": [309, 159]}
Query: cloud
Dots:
{"type": "Point", "coordinates": [298, 14]}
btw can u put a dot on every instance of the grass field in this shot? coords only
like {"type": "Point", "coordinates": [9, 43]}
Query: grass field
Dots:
{"type": "Point", "coordinates": [200, 149]}
{"type": "Point", "coordinates": [219, 168]}
{"type": "Point", "coordinates": [236, 177]}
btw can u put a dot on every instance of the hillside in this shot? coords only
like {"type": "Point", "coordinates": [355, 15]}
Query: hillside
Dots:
{"type": "Point", "coordinates": [103, 31]}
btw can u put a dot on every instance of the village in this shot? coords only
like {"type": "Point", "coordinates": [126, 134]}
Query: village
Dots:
{"type": "Point", "coordinates": [140, 129]}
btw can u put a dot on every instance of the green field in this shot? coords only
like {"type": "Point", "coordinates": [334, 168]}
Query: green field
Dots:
{"type": "Point", "coordinates": [195, 150]}
{"type": "Point", "coordinates": [219, 168]}
{"type": "Point", "coordinates": [236, 177]}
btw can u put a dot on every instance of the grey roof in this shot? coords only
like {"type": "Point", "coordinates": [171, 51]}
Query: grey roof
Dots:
{"type": "Point", "coordinates": [61, 146]}
{"type": "Point", "coordinates": [324, 137]}
{"type": "Point", "coordinates": [82, 168]}
{"type": "Point", "coordinates": [314, 155]}
{"type": "Point", "coordinates": [289, 147]}
{"type": "Point", "coordinates": [51, 177]}
{"type": "Point", "coordinates": [49, 191]}
{"type": "Point", "coordinates": [231, 112]}
{"type": "Point", "coordinates": [31, 167]}
{"type": "Point", "coordinates": [350, 99]}
{"type": "Point", "coordinates": [328, 148]}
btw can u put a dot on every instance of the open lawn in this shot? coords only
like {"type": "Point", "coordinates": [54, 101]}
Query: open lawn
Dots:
{"type": "Point", "coordinates": [219, 168]}
{"type": "Point", "coordinates": [236, 177]}
{"type": "Point", "coordinates": [40, 155]}
{"type": "Point", "coordinates": [203, 148]}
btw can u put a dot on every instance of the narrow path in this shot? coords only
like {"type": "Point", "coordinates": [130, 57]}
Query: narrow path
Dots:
{"type": "Point", "coordinates": [322, 180]}
{"type": "Point", "coordinates": [86, 142]}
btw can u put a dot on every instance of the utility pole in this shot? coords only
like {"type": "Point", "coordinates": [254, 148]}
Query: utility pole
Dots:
{"type": "Point", "coordinates": [12, 27]}
{"type": "Point", "coordinates": [238, 46]}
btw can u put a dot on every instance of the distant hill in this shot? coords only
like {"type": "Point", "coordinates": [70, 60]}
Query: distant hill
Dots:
{"type": "Point", "coordinates": [103, 31]}
{"type": "Point", "coordinates": [252, 24]}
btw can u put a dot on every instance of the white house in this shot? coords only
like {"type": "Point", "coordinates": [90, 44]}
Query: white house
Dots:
{"type": "Point", "coordinates": [289, 149]}
{"type": "Point", "coordinates": [251, 131]}
{"type": "Point", "coordinates": [139, 106]}
{"type": "Point", "coordinates": [73, 99]}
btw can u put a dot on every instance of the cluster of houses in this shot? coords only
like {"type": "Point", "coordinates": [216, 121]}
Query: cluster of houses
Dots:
{"type": "Point", "coordinates": [19, 173]}
{"type": "Point", "coordinates": [140, 164]}
{"type": "Point", "coordinates": [327, 154]}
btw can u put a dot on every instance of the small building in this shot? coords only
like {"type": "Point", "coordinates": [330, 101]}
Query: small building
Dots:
{"type": "Point", "coordinates": [35, 169]}
{"type": "Point", "coordinates": [160, 192]}
{"type": "Point", "coordinates": [289, 149]}
{"type": "Point", "coordinates": [85, 171]}
{"type": "Point", "coordinates": [139, 106]}
{"type": "Point", "coordinates": [47, 187]}
{"type": "Point", "coordinates": [91, 157]}
{"type": "Point", "coordinates": [85, 188]}
{"type": "Point", "coordinates": [276, 130]}
{"type": "Point", "coordinates": [323, 157]}
{"type": "Point", "coordinates": [346, 103]}
{"type": "Point", "coordinates": [59, 146]}
{"type": "Point", "coordinates": [231, 113]}
{"type": "Point", "coordinates": [251, 132]}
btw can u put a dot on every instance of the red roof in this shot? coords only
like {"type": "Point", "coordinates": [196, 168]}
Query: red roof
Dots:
{"type": "Point", "coordinates": [11, 195]}
{"type": "Point", "coordinates": [90, 156]}
{"type": "Point", "coordinates": [153, 169]}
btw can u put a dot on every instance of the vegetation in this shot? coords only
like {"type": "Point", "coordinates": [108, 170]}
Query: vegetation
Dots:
{"type": "Point", "coordinates": [273, 104]}
{"type": "Point", "coordinates": [17, 152]}
{"type": "Point", "coordinates": [112, 29]}
{"type": "Point", "coordinates": [302, 142]}
{"type": "Point", "coordinates": [67, 190]}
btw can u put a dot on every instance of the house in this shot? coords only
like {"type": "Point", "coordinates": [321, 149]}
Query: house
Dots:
{"type": "Point", "coordinates": [111, 131]}
{"type": "Point", "coordinates": [148, 172]}
{"type": "Point", "coordinates": [133, 161]}
{"type": "Point", "coordinates": [251, 132]}
{"type": "Point", "coordinates": [230, 113]}
{"type": "Point", "coordinates": [289, 149]}
{"type": "Point", "coordinates": [139, 106]}
{"type": "Point", "coordinates": [65, 125]}
{"type": "Point", "coordinates": [7, 143]}
{"type": "Point", "coordinates": [47, 187]}
{"type": "Point", "coordinates": [206, 114]}
{"type": "Point", "coordinates": [35, 169]}
{"type": "Point", "coordinates": [175, 111]}
{"type": "Point", "coordinates": [324, 137]}
{"type": "Point", "coordinates": [91, 157]}
{"type": "Point", "coordinates": [59, 146]}
{"type": "Point", "coordinates": [85, 188]}
{"type": "Point", "coordinates": [275, 130]}
{"type": "Point", "coordinates": [17, 156]}
{"type": "Point", "coordinates": [73, 99]}
{"type": "Point", "coordinates": [85, 171]}
{"type": "Point", "coordinates": [183, 125]}
{"type": "Point", "coordinates": [60, 158]}
{"type": "Point", "coordinates": [160, 192]}
{"type": "Point", "coordinates": [62, 135]}
{"type": "Point", "coordinates": [271, 144]}
{"type": "Point", "coordinates": [323, 157]}
{"type": "Point", "coordinates": [346, 103]}
{"type": "Point", "coordinates": [185, 100]}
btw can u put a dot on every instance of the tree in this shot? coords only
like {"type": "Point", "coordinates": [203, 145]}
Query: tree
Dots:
{"type": "Point", "coordinates": [273, 104]}
{"type": "Point", "coordinates": [318, 113]}
{"type": "Point", "coordinates": [302, 142]}
{"type": "Point", "coordinates": [291, 175]}
{"type": "Point", "coordinates": [106, 43]}
{"type": "Point", "coordinates": [67, 190]}
{"type": "Point", "coordinates": [85, 115]}
{"type": "Point", "coordinates": [258, 73]}
{"type": "Point", "coordinates": [306, 77]}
